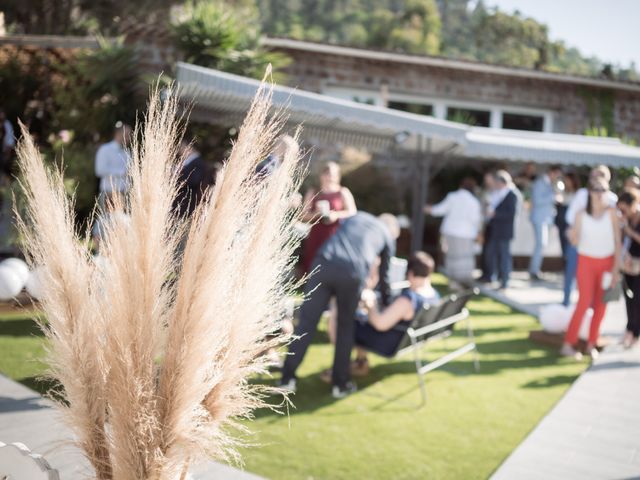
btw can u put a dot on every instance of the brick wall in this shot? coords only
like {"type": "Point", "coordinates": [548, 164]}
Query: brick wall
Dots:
{"type": "Point", "coordinates": [315, 71]}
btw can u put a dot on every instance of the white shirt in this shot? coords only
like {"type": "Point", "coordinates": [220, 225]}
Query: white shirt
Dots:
{"type": "Point", "coordinates": [462, 214]}
{"type": "Point", "coordinates": [597, 239]}
{"type": "Point", "coordinates": [112, 162]}
{"type": "Point", "coordinates": [579, 202]}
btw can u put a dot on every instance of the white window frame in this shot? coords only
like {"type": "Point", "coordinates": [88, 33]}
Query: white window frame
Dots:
{"type": "Point", "coordinates": [441, 105]}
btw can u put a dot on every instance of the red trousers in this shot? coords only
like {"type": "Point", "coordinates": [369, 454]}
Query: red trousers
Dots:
{"type": "Point", "coordinates": [589, 277]}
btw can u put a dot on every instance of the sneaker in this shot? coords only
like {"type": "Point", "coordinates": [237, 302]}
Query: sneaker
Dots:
{"type": "Point", "coordinates": [535, 277]}
{"type": "Point", "coordinates": [289, 386]}
{"type": "Point", "coordinates": [569, 351]}
{"type": "Point", "coordinates": [348, 389]}
{"type": "Point", "coordinates": [593, 353]}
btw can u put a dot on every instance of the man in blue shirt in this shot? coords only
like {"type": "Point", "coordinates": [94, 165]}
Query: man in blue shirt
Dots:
{"type": "Point", "coordinates": [543, 200]}
{"type": "Point", "coordinates": [342, 267]}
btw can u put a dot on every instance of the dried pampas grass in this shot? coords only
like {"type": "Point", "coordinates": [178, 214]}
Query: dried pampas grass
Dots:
{"type": "Point", "coordinates": [154, 356]}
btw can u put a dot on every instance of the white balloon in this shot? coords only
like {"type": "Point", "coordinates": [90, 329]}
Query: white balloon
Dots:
{"type": "Point", "coordinates": [19, 266]}
{"type": "Point", "coordinates": [10, 283]}
{"type": "Point", "coordinates": [34, 285]}
{"type": "Point", "coordinates": [556, 318]}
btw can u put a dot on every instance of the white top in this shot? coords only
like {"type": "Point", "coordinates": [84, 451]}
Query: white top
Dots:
{"type": "Point", "coordinates": [579, 202]}
{"type": "Point", "coordinates": [462, 214]}
{"type": "Point", "coordinates": [597, 238]}
{"type": "Point", "coordinates": [112, 162]}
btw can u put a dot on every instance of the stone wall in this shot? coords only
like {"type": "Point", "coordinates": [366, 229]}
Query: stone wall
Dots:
{"type": "Point", "coordinates": [568, 102]}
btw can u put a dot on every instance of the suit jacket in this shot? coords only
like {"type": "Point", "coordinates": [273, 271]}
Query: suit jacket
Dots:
{"type": "Point", "coordinates": [501, 224]}
{"type": "Point", "coordinates": [542, 201]}
{"type": "Point", "coordinates": [193, 180]}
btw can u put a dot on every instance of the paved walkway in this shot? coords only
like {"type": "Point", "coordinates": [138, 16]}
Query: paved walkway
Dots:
{"type": "Point", "coordinates": [28, 418]}
{"type": "Point", "coordinates": [594, 430]}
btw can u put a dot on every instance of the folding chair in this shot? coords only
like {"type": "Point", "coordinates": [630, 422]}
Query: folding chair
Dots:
{"type": "Point", "coordinates": [430, 323]}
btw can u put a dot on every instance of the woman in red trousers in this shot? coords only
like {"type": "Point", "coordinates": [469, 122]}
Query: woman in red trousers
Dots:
{"type": "Point", "coordinates": [596, 236]}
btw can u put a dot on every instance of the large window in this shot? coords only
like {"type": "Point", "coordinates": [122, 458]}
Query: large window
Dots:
{"type": "Point", "coordinates": [476, 118]}
{"type": "Point", "coordinates": [517, 121]}
{"type": "Point", "coordinates": [411, 107]}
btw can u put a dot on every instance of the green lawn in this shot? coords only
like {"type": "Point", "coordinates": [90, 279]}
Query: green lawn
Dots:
{"type": "Point", "coordinates": [470, 423]}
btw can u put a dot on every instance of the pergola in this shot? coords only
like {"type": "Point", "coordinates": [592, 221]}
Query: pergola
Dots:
{"type": "Point", "coordinates": [221, 98]}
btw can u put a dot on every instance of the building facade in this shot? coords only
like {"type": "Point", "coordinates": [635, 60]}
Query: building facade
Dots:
{"type": "Point", "coordinates": [469, 92]}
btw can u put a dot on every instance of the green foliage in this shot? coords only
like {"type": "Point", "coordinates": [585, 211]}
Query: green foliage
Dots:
{"type": "Point", "coordinates": [80, 17]}
{"type": "Point", "coordinates": [212, 35]}
{"type": "Point", "coordinates": [101, 88]}
{"type": "Point", "coordinates": [409, 25]}
{"type": "Point", "coordinates": [447, 27]}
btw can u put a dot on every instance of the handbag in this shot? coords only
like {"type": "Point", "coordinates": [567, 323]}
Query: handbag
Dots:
{"type": "Point", "coordinates": [612, 293]}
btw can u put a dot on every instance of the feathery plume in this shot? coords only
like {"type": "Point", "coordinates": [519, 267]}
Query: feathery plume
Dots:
{"type": "Point", "coordinates": [155, 357]}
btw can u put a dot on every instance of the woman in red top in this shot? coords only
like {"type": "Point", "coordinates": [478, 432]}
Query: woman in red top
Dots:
{"type": "Point", "coordinates": [326, 207]}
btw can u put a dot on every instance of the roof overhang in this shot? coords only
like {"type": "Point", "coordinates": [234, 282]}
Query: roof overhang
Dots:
{"type": "Point", "coordinates": [222, 98]}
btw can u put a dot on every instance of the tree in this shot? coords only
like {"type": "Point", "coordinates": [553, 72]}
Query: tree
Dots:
{"type": "Point", "coordinates": [212, 35]}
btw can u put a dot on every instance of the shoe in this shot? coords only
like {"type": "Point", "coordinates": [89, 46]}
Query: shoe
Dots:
{"type": "Point", "coordinates": [534, 277]}
{"type": "Point", "coordinates": [348, 389]}
{"type": "Point", "coordinates": [593, 353]}
{"type": "Point", "coordinates": [360, 367]}
{"type": "Point", "coordinates": [569, 351]}
{"type": "Point", "coordinates": [289, 386]}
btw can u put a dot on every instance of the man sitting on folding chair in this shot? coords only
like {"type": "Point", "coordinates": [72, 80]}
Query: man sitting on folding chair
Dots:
{"type": "Point", "coordinates": [375, 328]}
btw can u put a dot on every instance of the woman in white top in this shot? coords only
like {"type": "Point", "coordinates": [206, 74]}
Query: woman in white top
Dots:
{"type": "Point", "coordinates": [597, 238]}
{"type": "Point", "coordinates": [462, 214]}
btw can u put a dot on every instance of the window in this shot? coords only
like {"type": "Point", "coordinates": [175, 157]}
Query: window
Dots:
{"type": "Point", "coordinates": [412, 107]}
{"type": "Point", "coordinates": [476, 118]}
{"type": "Point", "coordinates": [366, 101]}
{"type": "Point", "coordinates": [517, 121]}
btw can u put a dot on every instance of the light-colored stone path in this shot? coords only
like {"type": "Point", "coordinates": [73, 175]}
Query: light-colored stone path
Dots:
{"type": "Point", "coordinates": [594, 430]}
{"type": "Point", "coordinates": [28, 418]}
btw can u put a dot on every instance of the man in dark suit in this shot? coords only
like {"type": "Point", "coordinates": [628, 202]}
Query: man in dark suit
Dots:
{"type": "Point", "coordinates": [193, 179]}
{"type": "Point", "coordinates": [343, 265]}
{"type": "Point", "coordinates": [500, 229]}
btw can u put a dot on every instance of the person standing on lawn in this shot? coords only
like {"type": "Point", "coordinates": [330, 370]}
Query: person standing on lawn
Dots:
{"type": "Point", "coordinates": [325, 208]}
{"type": "Point", "coordinates": [543, 200]}
{"type": "Point", "coordinates": [343, 266]}
{"type": "Point", "coordinates": [500, 228]}
{"type": "Point", "coordinates": [579, 203]}
{"type": "Point", "coordinates": [596, 236]}
{"type": "Point", "coordinates": [629, 206]}
{"type": "Point", "coordinates": [460, 227]}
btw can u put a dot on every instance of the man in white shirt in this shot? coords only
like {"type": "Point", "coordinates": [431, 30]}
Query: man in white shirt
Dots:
{"type": "Point", "coordinates": [112, 162]}
{"type": "Point", "coordinates": [578, 204]}
{"type": "Point", "coordinates": [462, 214]}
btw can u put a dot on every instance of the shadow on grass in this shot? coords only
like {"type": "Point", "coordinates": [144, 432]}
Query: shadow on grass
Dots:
{"type": "Point", "coordinates": [547, 382]}
{"type": "Point", "coordinates": [21, 327]}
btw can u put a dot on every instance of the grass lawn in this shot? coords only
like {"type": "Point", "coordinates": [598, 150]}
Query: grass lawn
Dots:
{"type": "Point", "coordinates": [470, 423]}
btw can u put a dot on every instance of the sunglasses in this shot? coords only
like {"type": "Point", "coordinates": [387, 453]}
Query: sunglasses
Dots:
{"type": "Point", "coordinates": [597, 190]}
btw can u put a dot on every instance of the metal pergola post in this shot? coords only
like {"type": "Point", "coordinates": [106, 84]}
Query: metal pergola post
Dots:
{"type": "Point", "coordinates": [420, 191]}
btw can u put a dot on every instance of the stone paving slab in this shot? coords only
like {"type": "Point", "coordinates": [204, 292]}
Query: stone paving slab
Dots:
{"type": "Point", "coordinates": [28, 418]}
{"type": "Point", "coordinates": [594, 430]}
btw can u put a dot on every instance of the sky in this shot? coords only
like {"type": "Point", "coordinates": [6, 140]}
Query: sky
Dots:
{"type": "Point", "coordinates": [608, 29]}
